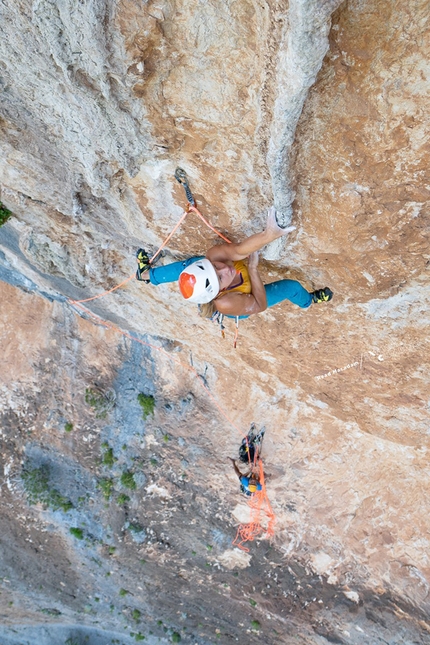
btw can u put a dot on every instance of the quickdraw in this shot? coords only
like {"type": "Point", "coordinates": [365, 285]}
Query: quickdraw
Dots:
{"type": "Point", "coordinates": [181, 176]}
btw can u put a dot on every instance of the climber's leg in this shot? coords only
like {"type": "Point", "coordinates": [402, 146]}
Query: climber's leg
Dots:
{"type": "Point", "coordinates": [170, 272]}
{"type": "Point", "coordinates": [291, 290]}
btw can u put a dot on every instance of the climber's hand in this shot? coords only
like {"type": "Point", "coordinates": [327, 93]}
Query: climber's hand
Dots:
{"type": "Point", "coordinates": [273, 227]}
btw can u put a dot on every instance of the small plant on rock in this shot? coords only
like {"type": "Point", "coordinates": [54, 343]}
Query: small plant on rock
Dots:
{"type": "Point", "coordinates": [101, 402]}
{"type": "Point", "coordinates": [135, 527]}
{"type": "Point", "coordinates": [5, 213]}
{"type": "Point", "coordinates": [127, 480]}
{"type": "Point", "coordinates": [37, 486]}
{"type": "Point", "coordinates": [147, 403]}
{"type": "Point", "coordinates": [106, 485]}
{"type": "Point", "coordinates": [108, 459]}
{"type": "Point", "coordinates": [76, 532]}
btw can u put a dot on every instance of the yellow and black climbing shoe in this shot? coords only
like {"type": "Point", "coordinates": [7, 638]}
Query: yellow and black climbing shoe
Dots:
{"type": "Point", "coordinates": [322, 295]}
{"type": "Point", "coordinates": [143, 264]}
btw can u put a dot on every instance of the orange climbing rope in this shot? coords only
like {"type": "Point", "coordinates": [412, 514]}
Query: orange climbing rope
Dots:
{"type": "Point", "coordinates": [259, 503]}
{"type": "Point", "coordinates": [194, 209]}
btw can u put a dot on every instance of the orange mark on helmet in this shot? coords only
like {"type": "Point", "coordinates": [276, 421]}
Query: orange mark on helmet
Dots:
{"type": "Point", "coordinates": [186, 284]}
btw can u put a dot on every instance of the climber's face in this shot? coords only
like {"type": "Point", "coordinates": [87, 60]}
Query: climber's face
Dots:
{"type": "Point", "coordinates": [226, 274]}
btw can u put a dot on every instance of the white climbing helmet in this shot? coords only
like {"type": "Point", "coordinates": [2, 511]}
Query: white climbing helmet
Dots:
{"type": "Point", "coordinates": [199, 282]}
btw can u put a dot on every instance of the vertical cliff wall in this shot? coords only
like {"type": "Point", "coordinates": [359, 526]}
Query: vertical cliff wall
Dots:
{"type": "Point", "coordinates": [100, 101]}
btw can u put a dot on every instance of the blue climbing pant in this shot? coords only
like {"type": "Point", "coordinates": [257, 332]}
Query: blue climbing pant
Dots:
{"type": "Point", "coordinates": [291, 290]}
{"type": "Point", "coordinates": [281, 290]}
{"type": "Point", "coordinates": [170, 272]}
{"type": "Point", "coordinates": [276, 292]}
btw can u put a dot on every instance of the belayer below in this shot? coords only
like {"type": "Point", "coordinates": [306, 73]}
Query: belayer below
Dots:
{"type": "Point", "coordinates": [249, 481]}
{"type": "Point", "coordinates": [222, 282]}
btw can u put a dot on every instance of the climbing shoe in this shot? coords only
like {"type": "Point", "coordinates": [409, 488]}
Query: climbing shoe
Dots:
{"type": "Point", "coordinates": [143, 264]}
{"type": "Point", "coordinates": [322, 295]}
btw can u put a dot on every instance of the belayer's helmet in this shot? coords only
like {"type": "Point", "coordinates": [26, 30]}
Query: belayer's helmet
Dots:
{"type": "Point", "coordinates": [199, 282]}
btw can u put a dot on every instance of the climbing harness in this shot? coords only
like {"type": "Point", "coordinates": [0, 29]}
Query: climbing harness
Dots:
{"type": "Point", "coordinates": [181, 176]}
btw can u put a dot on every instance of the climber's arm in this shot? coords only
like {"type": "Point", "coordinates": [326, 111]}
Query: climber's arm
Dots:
{"type": "Point", "coordinates": [236, 469]}
{"type": "Point", "coordinates": [241, 250]}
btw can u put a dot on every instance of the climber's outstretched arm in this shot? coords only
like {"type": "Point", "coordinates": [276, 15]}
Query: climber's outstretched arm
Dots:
{"type": "Point", "coordinates": [236, 469]}
{"type": "Point", "coordinates": [241, 250]}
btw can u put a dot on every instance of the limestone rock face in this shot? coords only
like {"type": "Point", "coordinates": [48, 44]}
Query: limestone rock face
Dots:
{"type": "Point", "coordinates": [319, 108]}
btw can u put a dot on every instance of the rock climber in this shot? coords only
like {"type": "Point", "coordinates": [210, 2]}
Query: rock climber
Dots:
{"type": "Point", "coordinates": [249, 481]}
{"type": "Point", "coordinates": [223, 283]}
